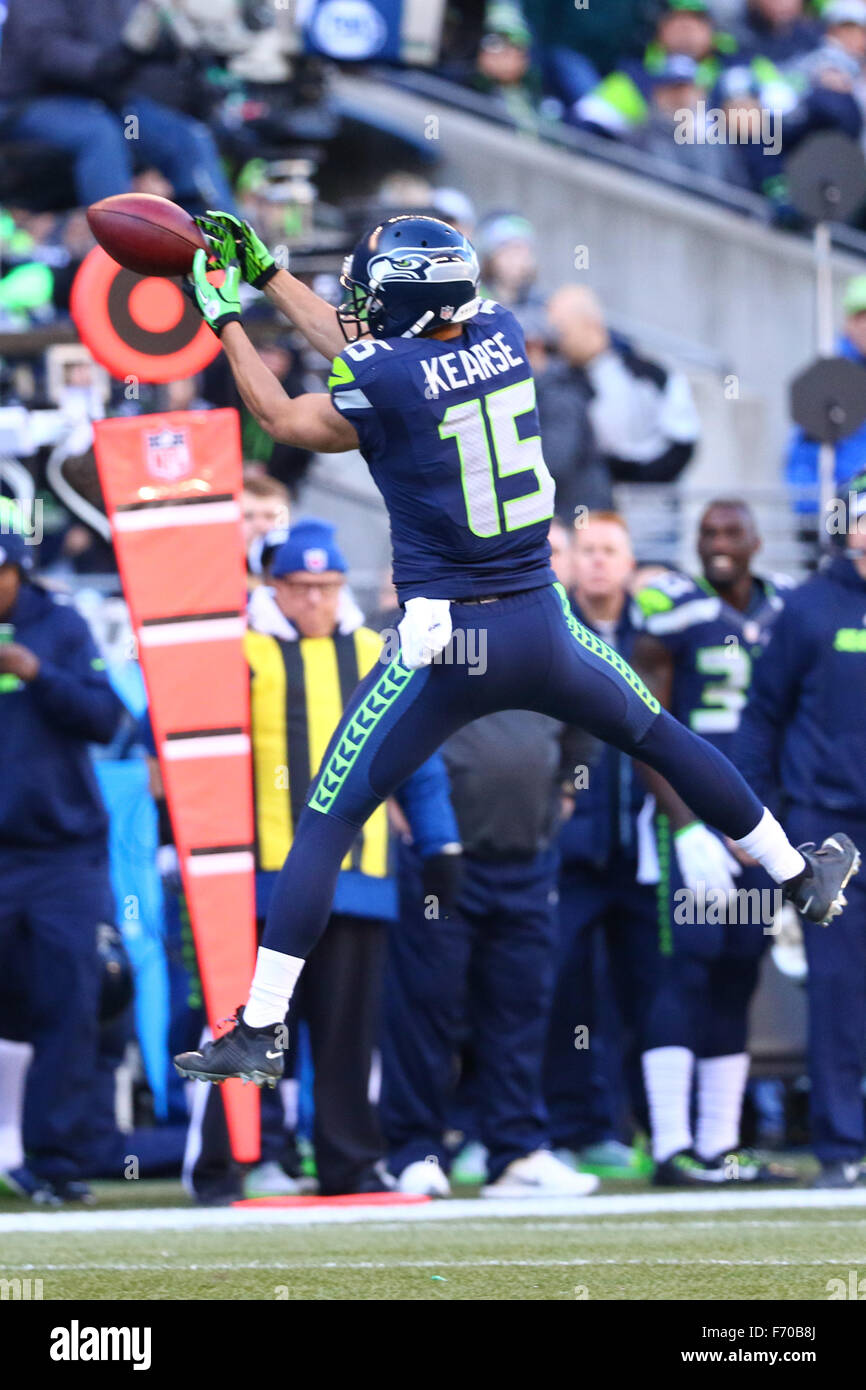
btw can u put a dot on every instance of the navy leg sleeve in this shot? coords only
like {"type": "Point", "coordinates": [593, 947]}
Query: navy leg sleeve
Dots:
{"type": "Point", "coordinates": [526, 651]}
{"type": "Point", "coordinates": [591, 685]}
{"type": "Point", "coordinates": [702, 776]}
{"type": "Point", "coordinates": [395, 720]}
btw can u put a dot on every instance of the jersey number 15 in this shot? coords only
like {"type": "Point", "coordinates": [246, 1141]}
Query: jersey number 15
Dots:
{"type": "Point", "coordinates": [489, 447]}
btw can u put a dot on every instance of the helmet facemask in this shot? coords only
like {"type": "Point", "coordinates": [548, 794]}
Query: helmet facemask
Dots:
{"type": "Point", "coordinates": [358, 309]}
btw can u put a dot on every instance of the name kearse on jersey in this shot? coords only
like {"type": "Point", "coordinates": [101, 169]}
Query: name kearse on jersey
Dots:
{"type": "Point", "coordinates": [482, 360]}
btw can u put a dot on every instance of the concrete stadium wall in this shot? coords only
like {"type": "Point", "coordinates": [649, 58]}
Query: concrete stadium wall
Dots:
{"type": "Point", "coordinates": [693, 281]}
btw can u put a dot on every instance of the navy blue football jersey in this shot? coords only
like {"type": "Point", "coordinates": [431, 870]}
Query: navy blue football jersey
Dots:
{"type": "Point", "coordinates": [450, 433]}
{"type": "Point", "coordinates": [713, 646]}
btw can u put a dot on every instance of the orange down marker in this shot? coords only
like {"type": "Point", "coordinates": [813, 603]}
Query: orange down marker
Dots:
{"type": "Point", "coordinates": [172, 487]}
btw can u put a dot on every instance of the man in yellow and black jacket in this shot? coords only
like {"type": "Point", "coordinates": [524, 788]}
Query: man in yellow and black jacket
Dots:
{"type": "Point", "coordinates": [307, 649]}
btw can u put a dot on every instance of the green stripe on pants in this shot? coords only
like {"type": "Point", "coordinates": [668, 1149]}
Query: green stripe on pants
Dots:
{"type": "Point", "coordinates": [373, 708]}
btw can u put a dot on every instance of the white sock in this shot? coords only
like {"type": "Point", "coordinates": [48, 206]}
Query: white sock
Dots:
{"type": "Point", "coordinates": [721, 1083]}
{"type": "Point", "coordinates": [14, 1061]}
{"type": "Point", "coordinates": [769, 844]}
{"type": "Point", "coordinates": [667, 1074]}
{"type": "Point", "coordinates": [272, 987]}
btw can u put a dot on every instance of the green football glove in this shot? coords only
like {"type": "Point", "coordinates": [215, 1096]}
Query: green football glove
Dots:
{"type": "Point", "coordinates": [217, 304]}
{"type": "Point", "coordinates": [234, 240]}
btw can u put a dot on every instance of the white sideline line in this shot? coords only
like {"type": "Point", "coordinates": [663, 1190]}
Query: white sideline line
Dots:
{"type": "Point", "coordinates": [207, 1266]}
{"type": "Point", "coordinates": [457, 1209]}
{"type": "Point", "coordinates": [568, 1228]}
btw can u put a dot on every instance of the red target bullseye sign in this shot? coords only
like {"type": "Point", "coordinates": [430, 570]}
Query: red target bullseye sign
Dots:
{"type": "Point", "coordinates": [138, 325]}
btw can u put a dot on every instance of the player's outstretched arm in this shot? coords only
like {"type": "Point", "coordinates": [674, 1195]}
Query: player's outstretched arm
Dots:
{"type": "Point", "coordinates": [311, 315]}
{"type": "Point", "coordinates": [309, 422]}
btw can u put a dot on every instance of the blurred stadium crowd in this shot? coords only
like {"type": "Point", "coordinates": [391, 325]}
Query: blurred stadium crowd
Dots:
{"type": "Point", "coordinates": [417, 1054]}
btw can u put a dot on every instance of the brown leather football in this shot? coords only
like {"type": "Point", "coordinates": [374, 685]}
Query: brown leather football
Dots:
{"type": "Point", "coordinates": [147, 234]}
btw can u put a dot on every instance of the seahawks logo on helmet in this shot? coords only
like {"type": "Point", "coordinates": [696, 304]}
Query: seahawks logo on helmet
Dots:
{"type": "Point", "coordinates": [419, 265]}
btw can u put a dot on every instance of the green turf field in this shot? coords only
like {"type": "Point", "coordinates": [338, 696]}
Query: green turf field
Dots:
{"type": "Point", "coordinates": [757, 1252]}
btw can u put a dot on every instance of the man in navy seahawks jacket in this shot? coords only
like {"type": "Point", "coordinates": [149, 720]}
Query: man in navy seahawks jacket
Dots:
{"type": "Point", "coordinates": [608, 954]}
{"type": "Point", "coordinates": [803, 737]}
{"type": "Point", "coordinates": [55, 700]}
{"type": "Point", "coordinates": [702, 637]}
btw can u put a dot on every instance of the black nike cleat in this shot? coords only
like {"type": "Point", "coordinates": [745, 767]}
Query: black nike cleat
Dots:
{"type": "Point", "coordinates": [253, 1054]}
{"type": "Point", "coordinates": [742, 1166]}
{"type": "Point", "coordinates": [680, 1170]}
{"type": "Point", "coordinates": [819, 891]}
{"type": "Point", "coordinates": [74, 1190]}
{"type": "Point", "coordinates": [841, 1174]}
{"type": "Point", "coordinates": [21, 1182]}
{"type": "Point", "coordinates": [725, 1170]}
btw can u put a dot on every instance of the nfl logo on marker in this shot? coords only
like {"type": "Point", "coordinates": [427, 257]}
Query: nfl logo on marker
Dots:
{"type": "Point", "coordinates": [167, 455]}
{"type": "Point", "coordinates": [315, 559]}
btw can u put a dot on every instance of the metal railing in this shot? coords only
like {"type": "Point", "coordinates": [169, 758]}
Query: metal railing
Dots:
{"type": "Point", "coordinates": [607, 151]}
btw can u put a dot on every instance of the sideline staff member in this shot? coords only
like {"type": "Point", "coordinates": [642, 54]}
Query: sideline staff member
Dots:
{"type": "Point", "coordinates": [803, 733]}
{"type": "Point", "coordinates": [55, 699]}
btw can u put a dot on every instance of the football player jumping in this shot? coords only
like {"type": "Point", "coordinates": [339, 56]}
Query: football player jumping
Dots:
{"type": "Point", "coordinates": [432, 384]}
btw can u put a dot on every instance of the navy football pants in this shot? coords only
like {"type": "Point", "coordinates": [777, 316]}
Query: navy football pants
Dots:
{"type": "Point", "coordinates": [837, 1002]}
{"type": "Point", "coordinates": [51, 902]}
{"type": "Point", "coordinates": [606, 973]}
{"type": "Point", "coordinates": [537, 656]}
{"type": "Point", "coordinates": [708, 971]}
{"type": "Point", "coordinates": [489, 964]}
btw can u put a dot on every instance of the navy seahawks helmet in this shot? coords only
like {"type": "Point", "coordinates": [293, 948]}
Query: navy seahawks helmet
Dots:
{"type": "Point", "coordinates": [410, 275]}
